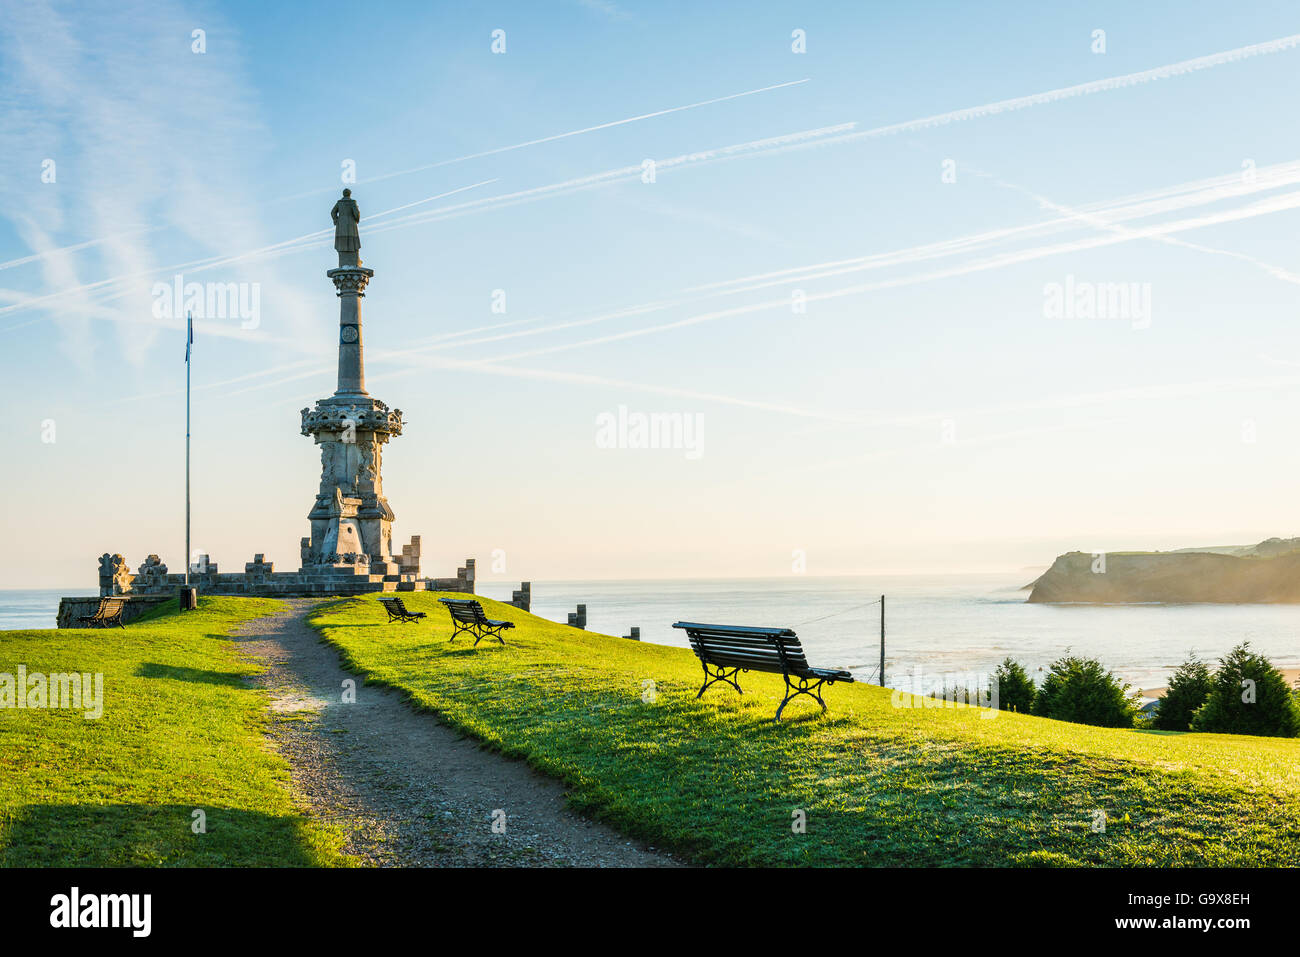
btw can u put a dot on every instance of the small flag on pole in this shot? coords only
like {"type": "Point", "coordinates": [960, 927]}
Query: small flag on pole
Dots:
{"type": "Point", "coordinates": [189, 341]}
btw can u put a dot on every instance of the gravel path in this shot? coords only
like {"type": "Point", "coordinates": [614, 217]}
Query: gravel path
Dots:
{"type": "Point", "coordinates": [406, 789]}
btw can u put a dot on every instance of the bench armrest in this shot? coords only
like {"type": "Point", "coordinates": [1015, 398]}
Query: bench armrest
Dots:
{"type": "Point", "coordinates": [831, 674]}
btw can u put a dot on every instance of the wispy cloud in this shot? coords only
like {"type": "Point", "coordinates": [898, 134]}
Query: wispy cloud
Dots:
{"type": "Point", "coordinates": [82, 88]}
{"type": "Point", "coordinates": [606, 9]}
{"type": "Point", "coordinates": [108, 290]}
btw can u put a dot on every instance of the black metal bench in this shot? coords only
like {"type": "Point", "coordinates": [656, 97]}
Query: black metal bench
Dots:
{"type": "Point", "coordinates": [730, 649]}
{"type": "Point", "coordinates": [397, 610]}
{"type": "Point", "coordinates": [467, 615]}
{"type": "Point", "coordinates": [108, 613]}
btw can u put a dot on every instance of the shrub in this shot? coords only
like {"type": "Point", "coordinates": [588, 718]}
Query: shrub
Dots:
{"type": "Point", "coordinates": [1249, 696]}
{"type": "Point", "coordinates": [960, 694]}
{"type": "Point", "coordinates": [1081, 690]}
{"type": "Point", "coordinates": [1187, 691]}
{"type": "Point", "coordinates": [1015, 688]}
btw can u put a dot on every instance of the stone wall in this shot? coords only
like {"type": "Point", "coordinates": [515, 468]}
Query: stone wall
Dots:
{"type": "Point", "coordinates": [409, 560]}
{"type": "Point", "coordinates": [578, 619]}
{"type": "Point", "coordinates": [464, 581]}
{"type": "Point", "coordinates": [353, 575]}
{"type": "Point", "coordinates": [522, 597]}
{"type": "Point", "coordinates": [70, 609]}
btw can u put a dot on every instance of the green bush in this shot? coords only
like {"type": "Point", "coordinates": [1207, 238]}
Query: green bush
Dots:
{"type": "Point", "coordinates": [1081, 690]}
{"type": "Point", "coordinates": [1016, 689]}
{"type": "Point", "coordinates": [960, 694]}
{"type": "Point", "coordinates": [1188, 690]}
{"type": "Point", "coordinates": [1249, 696]}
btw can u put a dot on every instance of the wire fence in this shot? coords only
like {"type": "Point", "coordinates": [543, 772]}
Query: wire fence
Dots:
{"type": "Point", "coordinates": [844, 611]}
{"type": "Point", "coordinates": [836, 614]}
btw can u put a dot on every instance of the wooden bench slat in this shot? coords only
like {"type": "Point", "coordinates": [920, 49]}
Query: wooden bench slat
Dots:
{"type": "Point", "coordinates": [763, 641]}
{"type": "Point", "coordinates": [751, 650]}
{"type": "Point", "coordinates": [761, 650]}
{"type": "Point", "coordinates": [772, 653]}
{"type": "Point", "coordinates": [735, 630]}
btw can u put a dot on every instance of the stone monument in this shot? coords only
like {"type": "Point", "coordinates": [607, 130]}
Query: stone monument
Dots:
{"type": "Point", "coordinates": [351, 522]}
{"type": "Point", "coordinates": [350, 549]}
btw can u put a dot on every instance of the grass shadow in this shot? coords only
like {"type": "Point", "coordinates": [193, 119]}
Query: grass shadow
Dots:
{"type": "Point", "coordinates": [142, 835]}
{"type": "Point", "coordinates": [231, 679]}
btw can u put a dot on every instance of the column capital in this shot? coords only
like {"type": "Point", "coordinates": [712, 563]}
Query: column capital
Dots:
{"type": "Point", "coordinates": [350, 279]}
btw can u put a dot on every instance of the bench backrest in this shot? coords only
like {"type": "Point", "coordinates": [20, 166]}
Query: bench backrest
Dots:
{"type": "Point", "coordinates": [740, 646]}
{"type": "Point", "coordinates": [109, 607]}
{"type": "Point", "coordinates": [464, 610]}
{"type": "Point", "coordinates": [391, 603]}
{"type": "Point", "coordinates": [399, 605]}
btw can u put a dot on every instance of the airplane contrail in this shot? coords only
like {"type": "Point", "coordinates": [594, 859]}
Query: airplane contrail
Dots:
{"type": "Point", "coordinates": [1277, 272]}
{"type": "Point", "coordinates": [559, 136]}
{"type": "Point", "coordinates": [36, 257]}
{"type": "Point", "coordinates": [794, 140]}
{"type": "Point", "coordinates": [1276, 204]}
{"type": "Point", "coordinates": [586, 129]}
{"type": "Point", "coordinates": [1101, 215]}
{"type": "Point", "coordinates": [848, 132]}
{"type": "Point", "coordinates": [1181, 67]}
{"type": "Point", "coordinates": [1164, 199]}
{"type": "Point", "coordinates": [507, 199]}
{"type": "Point", "coordinates": [604, 177]}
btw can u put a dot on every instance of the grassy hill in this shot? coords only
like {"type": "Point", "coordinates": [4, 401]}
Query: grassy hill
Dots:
{"type": "Point", "coordinates": [714, 778]}
{"type": "Point", "coordinates": [879, 784]}
{"type": "Point", "coordinates": [181, 730]}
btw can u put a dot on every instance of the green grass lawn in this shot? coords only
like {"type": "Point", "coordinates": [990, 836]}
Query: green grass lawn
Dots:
{"type": "Point", "coordinates": [881, 785]}
{"type": "Point", "coordinates": [181, 730]}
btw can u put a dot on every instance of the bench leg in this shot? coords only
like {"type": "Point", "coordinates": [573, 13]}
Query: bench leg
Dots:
{"type": "Point", "coordinates": [720, 674]}
{"type": "Point", "coordinates": [792, 691]}
{"type": "Point", "coordinates": [460, 628]}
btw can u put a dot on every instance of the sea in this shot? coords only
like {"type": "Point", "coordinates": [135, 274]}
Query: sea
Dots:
{"type": "Point", "coordinates": [939, 631]}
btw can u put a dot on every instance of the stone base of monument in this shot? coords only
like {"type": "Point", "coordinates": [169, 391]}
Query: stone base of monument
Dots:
{"type": "Point", "coordinates": [153, 584]}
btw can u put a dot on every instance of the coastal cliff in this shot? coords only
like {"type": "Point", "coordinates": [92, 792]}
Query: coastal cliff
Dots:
{"type": "Point", "coordinates": [1267, 572]}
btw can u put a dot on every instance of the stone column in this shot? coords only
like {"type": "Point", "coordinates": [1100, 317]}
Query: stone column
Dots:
{"type": "Point", "coordinates": [350, 281]}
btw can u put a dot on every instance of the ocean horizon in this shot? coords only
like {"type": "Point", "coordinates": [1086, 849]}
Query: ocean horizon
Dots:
{"type": "Point", "coordinates": [940, 630]}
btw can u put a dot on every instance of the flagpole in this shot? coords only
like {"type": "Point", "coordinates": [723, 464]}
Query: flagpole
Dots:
{"type": "Point", "coordinates": [189, 341]}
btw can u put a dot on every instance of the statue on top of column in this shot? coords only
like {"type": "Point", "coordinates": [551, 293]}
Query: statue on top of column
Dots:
{"type": "Point", "coordinates": [347, 239]}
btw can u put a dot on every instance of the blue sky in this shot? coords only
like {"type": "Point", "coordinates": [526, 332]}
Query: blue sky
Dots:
{"type": "Point", "coordinates": [923, 412]}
